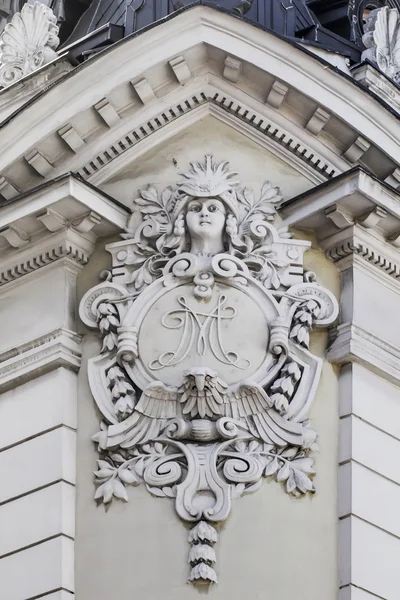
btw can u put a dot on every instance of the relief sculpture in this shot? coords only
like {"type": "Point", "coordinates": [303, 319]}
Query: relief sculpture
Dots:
{"type": "Point", "coordinates": [205, 377]}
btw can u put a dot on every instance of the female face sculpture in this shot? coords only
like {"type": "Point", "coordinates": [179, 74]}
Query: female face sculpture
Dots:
{"type": "Point", "coordinates": [205, 220]}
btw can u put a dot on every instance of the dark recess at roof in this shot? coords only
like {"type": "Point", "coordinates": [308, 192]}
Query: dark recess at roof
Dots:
{"type": "Point", "coordinates": [334, 25]}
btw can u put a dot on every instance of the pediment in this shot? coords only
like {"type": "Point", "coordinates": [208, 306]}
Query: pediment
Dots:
{"type": "Point", "coordinates": [135, 95]}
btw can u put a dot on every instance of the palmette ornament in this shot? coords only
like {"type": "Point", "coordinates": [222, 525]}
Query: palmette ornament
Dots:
{"type": "Point", "coordinates": [205, 378]}
{"type": "Point", "coordinates": [28, 42]}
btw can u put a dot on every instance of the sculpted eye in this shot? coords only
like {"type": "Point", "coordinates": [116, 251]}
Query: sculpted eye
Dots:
{"type": "Point", "coordinates": [213, 208]}
{"type": "Point", "coordinates": [195, 208]}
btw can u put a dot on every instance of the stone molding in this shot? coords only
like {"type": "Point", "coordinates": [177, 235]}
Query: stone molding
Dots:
{"type": "Point", "coordinates": [54, 222]}
{"type": "Point", "coordinates": [359, 247]}
{"type": "Point", "coordinates": [254, 124]}
{"type": "Point", "coordinates": [58, 348]}
{"type": "Point", "coordinates": [378, 83]}
{"type": "Point", "coordinates": [187, 35]}
{"type": "Point", "coordinates": [354, 344]}
{"type": "Point", "coordinates": [355, 214]}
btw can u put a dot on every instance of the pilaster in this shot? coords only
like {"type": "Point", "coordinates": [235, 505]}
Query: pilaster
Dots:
{"type": "Point", "coordinates": [357, 221]}
{"type": "Point", "coordinates": [46, 237]}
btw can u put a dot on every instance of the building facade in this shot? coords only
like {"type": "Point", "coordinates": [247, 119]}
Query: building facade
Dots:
{"type": "Point", "coordinates": [199, 286]}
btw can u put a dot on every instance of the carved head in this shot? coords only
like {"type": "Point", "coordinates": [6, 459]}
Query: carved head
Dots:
{"type": "Point", "coordinates": [207, 203]}
{"type": "Point", "coordinates": [205, 218]}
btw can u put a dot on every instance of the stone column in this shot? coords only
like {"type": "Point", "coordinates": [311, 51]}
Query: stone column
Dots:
{"type": "Point", "coordinates": [357, 221]}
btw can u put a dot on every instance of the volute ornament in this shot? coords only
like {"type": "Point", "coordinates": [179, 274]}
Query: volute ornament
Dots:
{"type": "Point", "coordinates": [205, 378]}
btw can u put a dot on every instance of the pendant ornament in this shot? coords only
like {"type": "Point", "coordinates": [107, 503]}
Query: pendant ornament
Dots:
{"type": "Point", "coordinates": [205, 378]}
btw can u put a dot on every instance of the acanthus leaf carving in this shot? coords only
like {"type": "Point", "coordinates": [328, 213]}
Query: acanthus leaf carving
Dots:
{"type": "Point", "coordinates": [195, 408]}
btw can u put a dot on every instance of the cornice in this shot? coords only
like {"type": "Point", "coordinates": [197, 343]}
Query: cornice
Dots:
{"type": "Point", "coordinates": [58, 348]}
{"type": "Point", "coordinates": [66, 244]}
{"type": "Point", "coordinates": [378, 83]}
{"type": "Point", "coordinates": [130, 68]}
{"type": "Point", "coordinates": [54, 222]}
{"type": "Point", "coordinates": [353, 215]}
{"type": "Point", "coordinates": [354, 344]}
{"type": "Point", "coordinates": [260, 127]}
{"type": "Point", "coordinates": [363, 250]}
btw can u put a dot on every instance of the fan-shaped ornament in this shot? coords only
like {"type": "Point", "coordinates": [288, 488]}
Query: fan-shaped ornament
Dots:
{"type": "Point", "coordinates": [205, 378]}
{"type": "Point", "coordinates": [382, 39]}
{"type": "Point", "coordinates": [28, 42]}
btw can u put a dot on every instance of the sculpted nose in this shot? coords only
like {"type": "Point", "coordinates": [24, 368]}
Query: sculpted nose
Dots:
{"type": "Point", "coordinates": [204, 210]}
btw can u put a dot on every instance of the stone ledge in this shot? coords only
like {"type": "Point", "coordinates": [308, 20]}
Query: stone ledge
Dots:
{"type": "Point", "coordinates": [59, 348]}
{"type": "Point", "coordinates": [354, 344]}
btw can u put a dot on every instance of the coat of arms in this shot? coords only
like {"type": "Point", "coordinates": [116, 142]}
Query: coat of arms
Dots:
{"type": "Point", "coordinates": [204, 378]}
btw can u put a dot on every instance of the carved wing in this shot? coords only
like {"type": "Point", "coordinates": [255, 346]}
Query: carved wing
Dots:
{"type": "Point", "coordinates": [387, 38]}
{"type": "Point", "coordinates": [156, 406]}
{"type": "Point", "coordinates": [251, 404]}
{"type": "Point", "coordinates": [395, 33]}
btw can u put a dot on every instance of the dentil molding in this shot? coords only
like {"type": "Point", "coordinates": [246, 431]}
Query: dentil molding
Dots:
{"type": "Point", "coordinates": [262, 129]}
{"type": "Point", "coordinates": [293, 96]}
{"type": "Point", "coordinates": [355, 215]}
{"type": "Point", "coordinates": [60, 220]}
{"type": "Point", "coordinates": [205, 378]}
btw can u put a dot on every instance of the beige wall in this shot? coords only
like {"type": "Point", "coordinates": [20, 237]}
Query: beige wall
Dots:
{"type": "Point", "coordinates": [272, 545]}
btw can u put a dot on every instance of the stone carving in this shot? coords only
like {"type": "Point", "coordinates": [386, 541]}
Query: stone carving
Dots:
{"type": "Point", "coordinates": [204, 378]}
{"type": "Point", "coordinates": [27, 43]}
{"type": "Point", "coordinates": [382, 40]}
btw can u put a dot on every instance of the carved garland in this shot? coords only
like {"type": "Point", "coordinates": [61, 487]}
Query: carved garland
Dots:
{"type": "Point", "coordinates": [194, 407]}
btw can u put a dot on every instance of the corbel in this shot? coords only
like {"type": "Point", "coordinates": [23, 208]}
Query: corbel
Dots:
{"type": "Point", "coordinates": [7, 189]}
{"type": "Point", "coordinates": [232, 69]}
{"type": "Point", "coordinates": [318, 121]}
{"type": "Point", "coordinates": [38, 162]}
{"type": "Point", "coordinates": [338, 216]}
{"type": "Point", "coordinates": [394, 179]}
{"type": "Point", "coordinates": [372, 217]}
{"type": "Point", "coordinates": [71, 137]}
{"type": "Point", "coordinates": [16, 237]}
{"type": "Point", "coordinates": [107, 112]}
{"type": "Point", "coordinates": [395, 240]}
{"type": "Point", "coordinates": [357, 149]}
{"type": "Point", "coordinates": [277, 94]}
{"type": "Point", "coordinates": [144, 90]}
{"type": "Point", "coordinates": [52, 220]}
{"type": "Point", "coordinates": [181, 70]}
{"type": "Point", "coordinates": [86, 223]}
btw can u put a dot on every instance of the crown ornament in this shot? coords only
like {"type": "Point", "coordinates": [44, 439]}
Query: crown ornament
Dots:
{"type": "Point", "coordinates": [208, 180]}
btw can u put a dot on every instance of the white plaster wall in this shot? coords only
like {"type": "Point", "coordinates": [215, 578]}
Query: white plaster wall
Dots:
{"type": "Point", "coordinates": [36, 304]}
{"type": "Point", "coordinates": [272, 545]}
{"type": "Point", "coordinates": [369, 484]}
{"type": "Point", "coordinates": [38, 420]}
{"type": "Point", "coordinates": [37, 493]}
